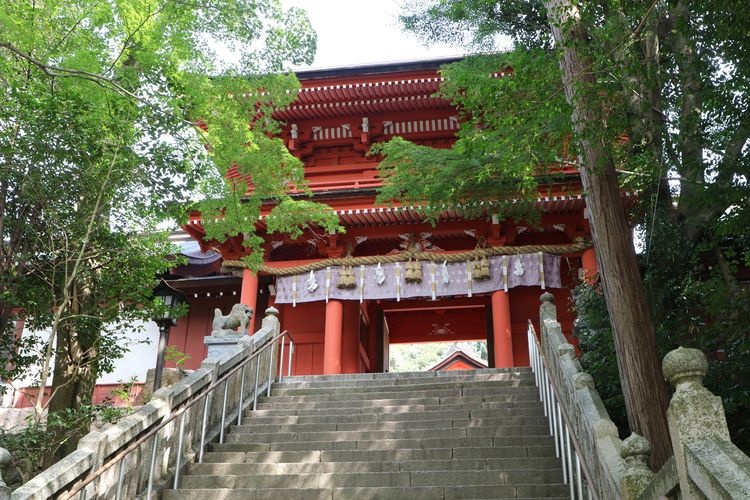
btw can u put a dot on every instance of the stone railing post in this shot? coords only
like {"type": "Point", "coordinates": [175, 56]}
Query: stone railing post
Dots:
{"type": "Point", "coordinates": [271, 320]}
{"type": "Point", "coordinates": [547, 310]}
{"type": "Point", "coordinates": [270, 327]}
{"type": "Point", "coordinates": [635, 451]}
{"type": "Point", "coordinates": [694, 413]}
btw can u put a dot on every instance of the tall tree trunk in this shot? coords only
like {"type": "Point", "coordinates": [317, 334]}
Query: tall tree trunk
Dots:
{"type": "Point", "coordinates": [73, 380]}
{"type": "Point", "coordinates": [635, 340]}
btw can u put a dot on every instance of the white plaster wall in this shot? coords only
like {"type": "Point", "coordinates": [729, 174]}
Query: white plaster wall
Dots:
{"type": "Point", "coordinates": [140, 356]}
{"type": "Point", "coordinates": [139, 359]}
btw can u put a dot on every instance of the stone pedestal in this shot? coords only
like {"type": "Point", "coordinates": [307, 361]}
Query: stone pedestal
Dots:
{"type": "Point", "coordinates": [218, 345]}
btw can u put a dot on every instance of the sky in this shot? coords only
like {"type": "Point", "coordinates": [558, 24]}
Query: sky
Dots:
{"type": "Point", "coordinates": [360, 32]}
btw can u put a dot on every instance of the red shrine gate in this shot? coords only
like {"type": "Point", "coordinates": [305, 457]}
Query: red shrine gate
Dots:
{"type": "Point", "coordinates": [346, 298]}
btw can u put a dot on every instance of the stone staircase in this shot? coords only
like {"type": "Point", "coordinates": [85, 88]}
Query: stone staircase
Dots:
{"type": "Point", "coordinates": [443, 435]}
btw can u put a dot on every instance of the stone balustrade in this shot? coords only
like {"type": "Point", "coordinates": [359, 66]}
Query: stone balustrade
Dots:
{"type": "Point", "coordinates": [96, 448]}
{"type": "Point", "coordinates": [594, 430]}
{"type": "Point", "coordinates": [708, 464]}
{"type": "Point", "coordinates": [705, 464]}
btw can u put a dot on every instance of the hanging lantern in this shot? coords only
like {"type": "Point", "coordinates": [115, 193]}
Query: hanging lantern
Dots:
{"type": "Point", "coordinates": [413, 272]}
{"type": "Point", "coordinates": [347, 281]}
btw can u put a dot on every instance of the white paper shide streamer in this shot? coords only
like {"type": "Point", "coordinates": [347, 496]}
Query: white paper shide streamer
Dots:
{"type": "Point", "coordinates": [541, 270]}
{"type": "Point", "coordinates": [433, 283]}
{"type": "Point", "coordinates": [361, 284]}
{"type": "Point", "coordinates": [379, 275]}
{"type": "Point", "coordinates": [398, 282]}
{"type": "Point", "coordinates": [294, 291]}
{"type": "Point", "coordinates": [505, 273]}
{"type": "Point", "coordinates": [446, 274]}
{"type": "Point", "coordinates": [328, 283]}
{"type": "Point", "coordinates": [312, 283]}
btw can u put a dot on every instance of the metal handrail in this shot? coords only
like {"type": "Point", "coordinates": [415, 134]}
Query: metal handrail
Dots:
{"type": "Point", "coordinates": [181, 412]}
{"type": "Point", "coordinates": [558, 417]}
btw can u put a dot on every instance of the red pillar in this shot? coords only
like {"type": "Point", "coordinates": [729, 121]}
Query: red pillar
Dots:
{"type": "Point", "coordinates": [350, 341]}
{"type": "Point", "coordinates": [249, 295]}
{"type": "Point", "coordinates": [502, 336]}
{"type": "Point", "coordinates": [589, 266]}
{"type": "Point", "coordinates": [350, 353]}
{"type": "Point", "coordinates": [332, 339]}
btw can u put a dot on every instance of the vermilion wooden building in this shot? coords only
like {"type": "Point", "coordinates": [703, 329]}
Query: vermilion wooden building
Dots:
{"type": "Point", "coordinates": [337, 116]}
{"type": "Point", "coordinates": [457, 360]}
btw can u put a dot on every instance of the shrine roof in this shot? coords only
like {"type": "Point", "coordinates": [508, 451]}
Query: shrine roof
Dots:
{"type": "Point", "coordinates": [394, 215]}
{"type": "Point", "coordinates": [361, 90]}
{"type": "Point", "coordinates": [376, 68]}
{"type": "Point", "coordinates": [457, 357]}
{"type": "Point", "coordinates": [374, 216]}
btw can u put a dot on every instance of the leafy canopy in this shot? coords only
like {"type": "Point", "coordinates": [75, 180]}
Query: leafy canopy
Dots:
{"type": "Point", "coordinates": [114, 115]}
{"type": "Point", "coordinates": [513, 123]}
{"type": "Point", "coordinates": [672, 78]}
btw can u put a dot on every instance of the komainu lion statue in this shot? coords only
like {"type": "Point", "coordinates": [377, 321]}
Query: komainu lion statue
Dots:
{"type": "Point", "coordinates": [239, 316]}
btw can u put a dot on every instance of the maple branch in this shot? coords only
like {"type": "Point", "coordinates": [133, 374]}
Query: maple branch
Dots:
{"type": "Point", "coordinates": [60, 72]}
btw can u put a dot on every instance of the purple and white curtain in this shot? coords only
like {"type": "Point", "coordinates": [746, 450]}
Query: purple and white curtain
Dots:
{"type": "Point", "coordinates": [387, 281]}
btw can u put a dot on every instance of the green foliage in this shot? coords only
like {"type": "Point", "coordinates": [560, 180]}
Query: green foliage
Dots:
{"type": "Point", "coordinates": [598, 351]}
{"type": "Point", "coordinates": [697, 302]}
{"type": "Point", "coordinates": [99, 143]}
{"type": "Point", "coordinates": [512, 129]}
{"type": "Point", "coordinates": [124, 390]}
{"type": "Point", "coordinates": [689, 307]}
{"type": "Point", "coordinates": [174, 355]}
{"type": "Point", "coordinates": [18, 355]}
{"type": "Point", "coordinates": [478, 22]}
{"type": "Point", "coordinates": [670, 97]}
{"type": "Point", "coordinates": [30, 445]}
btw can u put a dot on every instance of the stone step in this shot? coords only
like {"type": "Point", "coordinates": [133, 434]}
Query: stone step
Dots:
{"type": "Point", "coordinates": [397, 385]}
{"type": "Point", "coordinates": [283, 402]}
{"type": "Point", "coordinates": [250, 425]}
{"type": "Point", "coordinates": [516, 411]}
{"type": "Point", "coordinates": [375, 479]}
{"type": "Point", "coordinates": [336, 395]}
{"type": "Point", "coordinates": [237, 443]}
{"type": "Point", "coordinates": [475, 401]}
{"type": "Point", "coordinates": [466, 404]}
{"type": "Point", "coordinates": [407, 377]}
{"type": "Point", "coordinates": [474, 434]}
{"type": "Point", "coordinates": [398, 493]}
{"type": "Point", "coordinates": [396, 456]}
{"type": "Point", "coordinates": [550, 492]}
{"type": "Point", "coordinates": [241, 468]}
{"type": "Point", "coordinates": [246, 434]}
{"type": "Point", "coordinates": [443, 392]}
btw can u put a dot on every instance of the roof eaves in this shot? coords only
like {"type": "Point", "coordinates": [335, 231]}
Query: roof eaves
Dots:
{"type": "Point", "coordinates": [376, 69]}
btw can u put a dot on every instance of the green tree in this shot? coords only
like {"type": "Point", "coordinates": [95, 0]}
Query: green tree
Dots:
{"type": "Point", "coordinates": [656, 91]}
{"type": "Point", "coordinates": [114, 115]}
{"type": "Point", "coordinates": [511, 131]}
